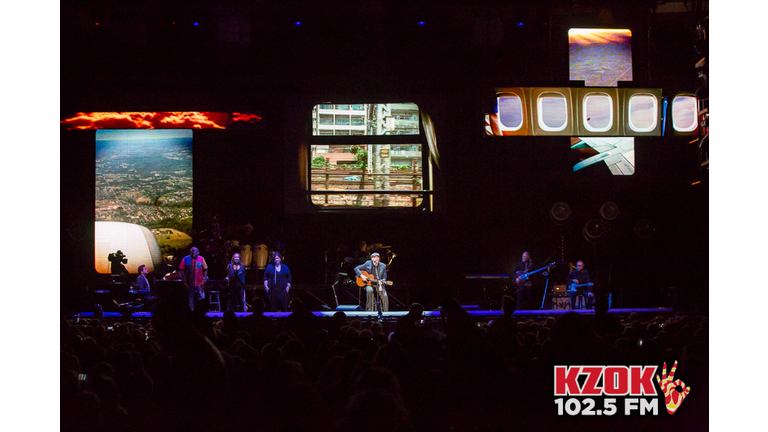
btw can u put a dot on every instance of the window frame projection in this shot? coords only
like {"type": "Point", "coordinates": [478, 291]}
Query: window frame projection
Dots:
{"type": "Point", "coordinates": [371, 165]}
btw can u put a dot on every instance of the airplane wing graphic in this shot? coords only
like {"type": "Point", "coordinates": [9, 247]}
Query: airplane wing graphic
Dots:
{"type": "Point", "coordinates": [617, 153]}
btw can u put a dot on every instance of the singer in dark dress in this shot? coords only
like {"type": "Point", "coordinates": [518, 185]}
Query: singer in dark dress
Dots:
{"type": "Point", "coordinates": [277, 282]}
{"type": "Point", "coordinates": [236, 279]}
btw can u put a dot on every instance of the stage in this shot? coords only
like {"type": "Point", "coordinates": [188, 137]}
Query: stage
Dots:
{"type": "Point", "coordinates": [480, 315]}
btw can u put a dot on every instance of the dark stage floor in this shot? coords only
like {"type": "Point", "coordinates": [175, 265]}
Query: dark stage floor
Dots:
{"type": "Point", "coordinates": [481, 315]}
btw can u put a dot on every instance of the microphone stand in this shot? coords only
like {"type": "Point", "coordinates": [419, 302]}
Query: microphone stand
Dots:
{"type": "Point", "coordinates": [325, 305]}
{"type": "Point", "coordinates": [334, 293]}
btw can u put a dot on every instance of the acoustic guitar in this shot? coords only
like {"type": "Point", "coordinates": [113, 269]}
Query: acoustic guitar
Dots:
{"type": "Point", "coordinates": [371, 280]}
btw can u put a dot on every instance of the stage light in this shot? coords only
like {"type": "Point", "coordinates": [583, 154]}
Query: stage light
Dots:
{"type": "Point", "coordinates": [297, 23]}
{"type": "Point", "coordinates": [196, 24]}
{"type": "Point", "coordinates": [519, 24]}
{"type": "Point", "coordinates": [560, 213]}
{"type": "Point", "coordinates": [609, 211]}
{"type": "Point", "coordinates": [421, 23]}
{"type": "Point", "coordinates": [593, 230]}
{"type": "Point", "coordinates": [644, 230]}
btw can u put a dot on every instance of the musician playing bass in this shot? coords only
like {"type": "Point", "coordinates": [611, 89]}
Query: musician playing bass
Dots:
{"type": "Point", "coordinates": [580, 276]}
{"type": "Point", "coordinates": [377, 270]}
{"type": "Point", "coordinates": [523, 282]}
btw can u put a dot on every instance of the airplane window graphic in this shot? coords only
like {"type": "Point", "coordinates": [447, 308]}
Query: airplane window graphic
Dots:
{"type": "Point", "coordinates": [684, 113]}
{"type": "Point", "coordinates": [642, 112]}
{"type": "Point", "coordinates": [510, 112]}
{"type": "Point", "coordinates": [553, 112]}
{"type": "Point", "coordinates": [598, 112]}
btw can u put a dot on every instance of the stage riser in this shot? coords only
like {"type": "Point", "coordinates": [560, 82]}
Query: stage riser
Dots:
{"type": "Point", "coordinates": [480, 315]}
{"type": "Point", "coordinates": [316, 297]}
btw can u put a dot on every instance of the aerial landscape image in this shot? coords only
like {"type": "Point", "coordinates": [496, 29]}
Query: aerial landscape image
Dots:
{"type": "Point", "coordinates": [144, 177]}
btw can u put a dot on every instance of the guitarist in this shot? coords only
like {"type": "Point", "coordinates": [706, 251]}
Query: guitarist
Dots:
{"type": "Point", "coordinates": [523, 283]}
{"type": "Point", "coordinates": [579, 276]}
{"type": "Point", "coordinates": [379, 271]}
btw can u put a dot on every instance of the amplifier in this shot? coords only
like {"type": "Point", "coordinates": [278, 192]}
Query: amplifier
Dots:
{"type": "Point", "coordinates": [561, 303]}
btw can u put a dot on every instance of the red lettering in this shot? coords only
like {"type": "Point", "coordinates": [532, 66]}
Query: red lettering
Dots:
{"type": "Point", "coordinates": [590, 385]}
{"type": "Point", "coordinates": [616, 380]}
{"type": "Point", "coordinates": [565, 381]}
{"type": "Point", "coordinates": [641, 380]}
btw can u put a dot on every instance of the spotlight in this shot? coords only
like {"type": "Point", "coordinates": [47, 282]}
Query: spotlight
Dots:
{"type": "Point", "coordinates": [560, 212]}
{"type": "Point", "coordinates": [421, 23]}
{"type": "Point", "coordinates": [644, 231]}
{"type": "Point", "coordinates": [593, 230]}
{"type": "Point", "coordinates": [609, 211]}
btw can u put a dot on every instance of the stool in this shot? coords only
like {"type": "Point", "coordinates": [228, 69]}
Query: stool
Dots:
{"type": "Point", "coordinates": [579, 302]}
{"type": "Point", "coordinates": [213, 299]}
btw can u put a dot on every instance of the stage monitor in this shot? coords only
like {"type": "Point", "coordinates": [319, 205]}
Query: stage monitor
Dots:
{"type": "Point", "coordinates": [143, 206]}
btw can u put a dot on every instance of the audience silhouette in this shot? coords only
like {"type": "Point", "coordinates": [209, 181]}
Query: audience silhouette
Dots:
{"type": "Point", "coordinates": [183, 370]}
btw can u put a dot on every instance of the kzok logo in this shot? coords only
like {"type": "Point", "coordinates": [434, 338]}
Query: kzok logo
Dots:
{"type": "Point", "coordinates": [672, 397]}
{"type": "Point", "coordinates": [633, 383]}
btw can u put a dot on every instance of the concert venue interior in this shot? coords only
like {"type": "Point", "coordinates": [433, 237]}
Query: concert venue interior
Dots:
{"type": "Point", "coordinates": [269, 96]}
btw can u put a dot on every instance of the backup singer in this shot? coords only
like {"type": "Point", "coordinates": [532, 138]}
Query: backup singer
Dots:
{"type": "Point", "coordinates": [379, 271]}
{"type": "Point", "coordinates": [277, 282]}
{"type": "Point", "coordinates": [236, 280]}
{"type": "Point", "coordinates": [194, 273]}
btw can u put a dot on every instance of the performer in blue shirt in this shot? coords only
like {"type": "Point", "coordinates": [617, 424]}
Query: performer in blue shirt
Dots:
{"type": "Point", "coordinates": [142, 283]}
{"type": "Point", "coordinates": [277, 282]}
